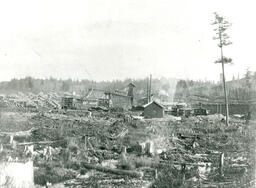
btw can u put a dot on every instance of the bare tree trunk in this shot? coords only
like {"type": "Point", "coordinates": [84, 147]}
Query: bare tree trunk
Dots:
{"type": "Point", "coordinates": [224, 86]}
{"type": "Point", "coordinates": [147, 90]}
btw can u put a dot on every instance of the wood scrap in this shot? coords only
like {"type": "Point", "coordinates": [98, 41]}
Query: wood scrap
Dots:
{"type": "Point", "coordinates": [39, 142]}
{"type": "Point", "coordinates": [121, 134]}
{"type": "Point", "coordinates": [114, 171]}
{"type": "Point", "coordinates": [90, 145]}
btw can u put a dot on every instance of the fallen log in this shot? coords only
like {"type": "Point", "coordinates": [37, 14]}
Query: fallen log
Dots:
{"type": "Point", "coordinates": [114, 171]}
{"type": "Point", "coordinates": [179, 163]}
{"type": "Point", "coordinates": [19, 133]}
{"type": "Point", "coordinates": [39, 142]}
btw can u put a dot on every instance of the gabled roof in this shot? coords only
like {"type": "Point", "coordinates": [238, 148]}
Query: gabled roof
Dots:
{"type": "Point", "coordinates": [131, 84]}
{"type": "Point", "coordinates": [152, 103]}
{"type": "Point", "coordinates": [95, 94]}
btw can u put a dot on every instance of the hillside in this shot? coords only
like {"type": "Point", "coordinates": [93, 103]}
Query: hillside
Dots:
{"type": "Point", "coordinates": [243, 89]}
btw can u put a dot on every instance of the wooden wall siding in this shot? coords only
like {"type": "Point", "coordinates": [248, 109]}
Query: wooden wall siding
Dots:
{"type": "Point", "coordinates": [221, 109]}
{"type": "Point", "coordinates": [120, 101]}
{"type": "Point", "coordinates": [153, 111]}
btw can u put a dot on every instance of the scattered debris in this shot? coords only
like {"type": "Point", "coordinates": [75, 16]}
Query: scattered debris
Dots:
{"type": "Point", "coordinates": [116, 147]}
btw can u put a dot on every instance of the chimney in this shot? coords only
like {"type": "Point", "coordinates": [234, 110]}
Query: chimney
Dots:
{"type": "Point", "coordinates": [147, 90]}
{"type": "Point", "coordinates": [149, 93]}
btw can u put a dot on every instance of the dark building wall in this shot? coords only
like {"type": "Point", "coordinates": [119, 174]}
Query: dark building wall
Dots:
{"type": "Point", "coordinates": [153, 111]}
{"type": "Point", "coordinates": [67, 103]}
{"type": "Point", "coordinates": [253, 110]}
{"type": "Point", "coordinates": [103, 102]}
{"type": "Point", "coordinates": [200, 111]}
{"type": "Point", "coordinates": [237, 108]}
{"type": "Point", "coordinates": [141, 102]}
{"type": "Point", "coordinates": [79, 104]}
{"type": "Point", "coordinates": [221, 109]}
{"type": "Point", "coordinates": [85, 104]}
{"type": "Point", "coordinates": [120, 101]}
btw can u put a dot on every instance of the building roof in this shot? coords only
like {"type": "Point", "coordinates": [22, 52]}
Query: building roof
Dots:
{"type": "Point", "coordinates": [117, 94]}
{"type": "Point", "coordinates": [146, 105]}
{"type": "Point", "coordinates": [95, 94]}
{"type": "Point", "coordinates": [131, 84]}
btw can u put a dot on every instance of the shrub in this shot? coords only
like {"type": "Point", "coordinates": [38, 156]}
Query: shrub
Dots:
{"type": "Point", "coordinates": [53, 175]}
{"type": "Point", "coordinates": [168, 177]}
{"type": "Point", "coordinates": [126, 165]}
{"type": "Point", "coordinates": [72, 164]}
{"type": "Point", "coordinates": [145, 162]}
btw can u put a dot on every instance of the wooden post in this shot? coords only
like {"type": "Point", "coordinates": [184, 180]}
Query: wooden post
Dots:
{"type": "Point", "coordinates": [221, 163]}
{"type": "Point", "coordinates": [123, 158]}
{"type": "Point", "coordinates": [85, 142]}
{"type": "Point", "coordinates": [1, 148]}
{"type": "Point", "coordinates": [14, 145]}
{"type": "Point", "coordinates": [156, 174]}
{"type": "Point", "coordinates": [124, 150]}
{"type": "Point", "coordinates": [183, 169]}
{"type": "Point", "coordinates": [61, 129]}
{"type": "Point", "coordinates": [11, 139]}
{"type": "Point", "coordinates": [149, 148]}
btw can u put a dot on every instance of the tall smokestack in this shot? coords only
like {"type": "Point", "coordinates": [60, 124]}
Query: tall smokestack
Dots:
{"type": "Point", "coordinates": [150, 80]}
{"type": "Point", "coordinates": [147, 90]}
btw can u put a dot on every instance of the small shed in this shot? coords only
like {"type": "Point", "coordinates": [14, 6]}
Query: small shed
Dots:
{"type": "Point", "coordinates": [153, 110]}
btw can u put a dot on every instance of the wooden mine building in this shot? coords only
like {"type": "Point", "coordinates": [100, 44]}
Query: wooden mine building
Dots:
{"type": "Point", "coordinates": [99, 97]}
{"type": "Point", "coordinates": [153, 110]}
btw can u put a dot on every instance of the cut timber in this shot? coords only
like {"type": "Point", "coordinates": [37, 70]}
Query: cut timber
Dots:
{"type": "Point", "coordinates": [121, 134]}
{"type": "Point", "coordinates": [39, 142]}
{"type": "Point", "coordinates": [90, 145]}
{"type": "Point", "coordinates": [19, 134]}
{"type": "Point", "coordinates": [114, 171]}
{"type": "Point", "coordinates": [163, 162]}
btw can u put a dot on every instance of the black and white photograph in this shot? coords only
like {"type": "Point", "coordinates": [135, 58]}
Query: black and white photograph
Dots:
{"type": "Point", "coordinates": [127, 94]}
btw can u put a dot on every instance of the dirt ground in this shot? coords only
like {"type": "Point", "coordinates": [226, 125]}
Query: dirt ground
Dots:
{"type": "Point", "coordinates": [178, 152]}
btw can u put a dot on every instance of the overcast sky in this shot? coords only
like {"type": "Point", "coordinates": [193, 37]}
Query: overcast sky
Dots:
{"type": "Point", "coordinates": [117, 39]}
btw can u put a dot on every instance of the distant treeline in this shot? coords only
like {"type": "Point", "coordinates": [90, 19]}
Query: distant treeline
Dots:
{"type": "Point", "coordinates": [162, 88]}
{"type": "Point", "coordinates": [243, 89]}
